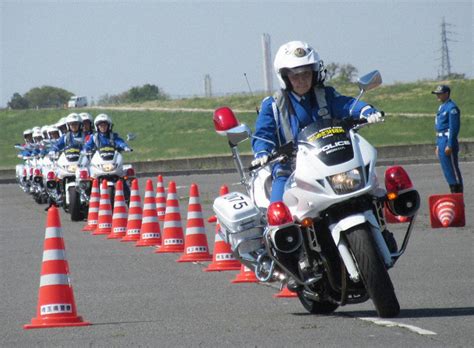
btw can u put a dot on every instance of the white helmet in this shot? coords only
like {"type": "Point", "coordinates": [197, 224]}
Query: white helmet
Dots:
{"type": "Point", "coordinates": [85, 116]}
{"type": "Point", "coordinates": [44, 131]}
{"type": "Point", "coordinates": [297, 56]}
{"type": "Point", "coordinates": [61, 122]}
{"type": "Point", "coordinates": [37, 135]}
{"type": "Point", "coordinates": [53, 129]}
{"type": "Point", "coordinates": [103, 118]}
{"type": "Point", "coordinates": [73, 118]}
{"type": "Point", "coordinates": [27, 132]}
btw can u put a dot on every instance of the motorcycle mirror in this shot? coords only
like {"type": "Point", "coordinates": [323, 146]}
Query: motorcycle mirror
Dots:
{"type": "Point", "coordinates": [18, 147]}
{"type": "Point", "coordinates": [370, 80]}
{"type": "Point", "coordinates": [238, 134]}
{"type": "Point", "coordinates": [131, 136]}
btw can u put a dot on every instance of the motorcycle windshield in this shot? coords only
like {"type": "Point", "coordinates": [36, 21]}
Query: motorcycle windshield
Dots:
{"type": "Point", "coordinates": [107, 153]}
{"type": "Point", "coordinates": [72, 154]}
{"type": "Point", "coordinates": [330, 140]}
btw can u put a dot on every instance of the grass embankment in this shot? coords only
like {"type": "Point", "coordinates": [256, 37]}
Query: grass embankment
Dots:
{"type": "Point", "coordinates": [165, 135]}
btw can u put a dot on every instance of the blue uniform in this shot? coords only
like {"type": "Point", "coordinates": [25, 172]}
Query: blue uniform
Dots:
{"type": "Point", "coordinates": [447, 125]}
{"type": "Point", "coordinates": [306, 111]}
{"type": "Point", "coordinates": [105, 139]}
{"type": "Point", "coordinates": [69, 140]}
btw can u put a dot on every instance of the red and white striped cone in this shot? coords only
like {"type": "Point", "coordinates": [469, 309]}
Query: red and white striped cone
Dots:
{"type": "Point", "coordinates": [223, 259]}
{"type": "Point", "coordinates": [120, 215]}
{"type": "Point", "coordinates": [104, 224]}
{"type": "Point", "coordinates": [246, 275]}
{"type": "Point", "coordinates": [134, 222]}
{"type": "Point", "coordinates": [173, 238]}
{"type": "Point", "coordinates": [56, 306]}
{"type": "Point", "coordinates": [195, 244]}
{"type": "Point", "coordinates": [150, 234]}
{"type": "Point", "coordinates": [160, 198]}
{"type": "Point", "coordinates": [93, 213]}
{"type": "Point", "coordinates": [285, 293]}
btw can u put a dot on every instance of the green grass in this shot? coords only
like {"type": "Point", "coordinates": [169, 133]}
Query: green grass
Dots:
{"type": "Point", "coordinates": [166, 135]}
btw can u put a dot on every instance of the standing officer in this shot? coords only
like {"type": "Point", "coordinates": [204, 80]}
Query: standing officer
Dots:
{"type": "Point", "coordinates": [447, 125]}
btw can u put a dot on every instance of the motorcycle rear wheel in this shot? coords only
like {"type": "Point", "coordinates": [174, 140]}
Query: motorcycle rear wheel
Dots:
{"type": "Point", "coordinates": [316, 307]}
{"type": "Point", "coordinates": [373, 272]}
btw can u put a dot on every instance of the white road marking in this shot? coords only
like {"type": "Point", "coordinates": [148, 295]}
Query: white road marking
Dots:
{"type": "Point", "coordinates": [388, 323]}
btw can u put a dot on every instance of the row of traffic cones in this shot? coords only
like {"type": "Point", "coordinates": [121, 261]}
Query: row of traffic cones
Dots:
{"type": "Point", "coordinates": [56, 305]}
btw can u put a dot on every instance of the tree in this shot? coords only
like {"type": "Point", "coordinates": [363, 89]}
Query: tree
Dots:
{"type": "Point", "coordinates": [47, 97]}
{"type": "Point", "coordinates": [135, 94]}
{"type": "Point", "coordinates": [18, 102]}
{"type": "Point", "coordinates": [347, 72]}
{"type": "Point", "coordinates": [331, 70]}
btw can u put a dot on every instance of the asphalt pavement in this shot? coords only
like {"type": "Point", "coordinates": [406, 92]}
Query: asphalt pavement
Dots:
{"type": "Point", "coordinates": [134, 297]}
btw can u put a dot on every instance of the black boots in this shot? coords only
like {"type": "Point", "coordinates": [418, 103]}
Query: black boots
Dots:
{"type": "Point", "coordinates": [456, 188]}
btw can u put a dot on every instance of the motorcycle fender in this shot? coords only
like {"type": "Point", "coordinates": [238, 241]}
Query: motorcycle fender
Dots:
{"type": "Point", "coordinates": [345, 224]}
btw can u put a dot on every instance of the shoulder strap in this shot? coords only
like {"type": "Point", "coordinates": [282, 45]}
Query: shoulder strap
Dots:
{"type": "Point", "coordinates": [282, 109]}
{"type": "Point", "coordinates": [320, 93]}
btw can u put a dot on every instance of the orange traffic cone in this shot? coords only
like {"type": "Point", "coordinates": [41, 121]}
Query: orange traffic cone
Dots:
{"type": "Point", "coordinates": [56, 305]}
{"type": "Point", "coordinates": [173, 238]}
{"type": "Point", "coordinates": [93, 208]}
{"type": "Point", "coordinates": [285, 293]}
{"type": "Point", "coordinates": [104, 225]}
{"type": "Point", "coordinates": [447, 210]}
{"type": "Point", "coordinates": [195, 244]}
{"type": "Point", "coordinates": [134, 222]}
{"type": "Point", "coordinates": [223, 259]}
{"type": "Point", "coordinates": [160, 198]}
{"type": "Point", "coordinates": [120, 215]}
{"type": "Point", "coordinates": [150, 234]}
{"type": "Point", "coordinates": [246, 275]}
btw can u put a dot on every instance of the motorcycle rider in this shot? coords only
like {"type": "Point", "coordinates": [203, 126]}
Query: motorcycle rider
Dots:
{"type": "Point", "coordinates": [104, 136]}
{"type": "Point", "coordinates": [73, 138]}
{"type": "Point", "coordinates": [87, 121]}
{"type": "Point", "coordinates": [62, 126]}
{"type": "Point", "coordinates": [302, 99]}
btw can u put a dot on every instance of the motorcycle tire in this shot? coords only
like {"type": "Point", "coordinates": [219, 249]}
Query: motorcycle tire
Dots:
{"type": "Point", "coordinates": [373, 272]}
{"type": "Point", "coordinates": [75, 205]}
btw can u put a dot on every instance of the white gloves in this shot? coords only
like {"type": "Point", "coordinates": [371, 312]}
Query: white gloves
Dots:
{"type": "Point", "coordinates": [260, 160]}
{"type": "Point", "coordinates": [374, 117]}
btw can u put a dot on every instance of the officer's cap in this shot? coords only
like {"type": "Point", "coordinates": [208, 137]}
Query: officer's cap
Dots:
{"type": "Point", "coordinates": [441, 89]}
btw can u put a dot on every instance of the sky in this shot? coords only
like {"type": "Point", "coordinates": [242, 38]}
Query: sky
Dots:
{"type": "Point", "coordinates": [93, 48]}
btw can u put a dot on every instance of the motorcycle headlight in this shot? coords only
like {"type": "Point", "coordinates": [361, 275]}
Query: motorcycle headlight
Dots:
{"type": "Point", "coordinates": [347, 182]}
{"type": "Point", "coordinates": [108, 167]}
{"type": "Point", "coordinates": [72, 168]}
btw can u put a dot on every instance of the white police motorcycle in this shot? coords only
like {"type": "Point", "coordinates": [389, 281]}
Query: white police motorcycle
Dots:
{"type": "Point", "coordinates": [326, 240]}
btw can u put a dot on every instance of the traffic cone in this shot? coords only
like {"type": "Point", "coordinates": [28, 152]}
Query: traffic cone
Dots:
{"type": "Point", "coordinates": [104, 224]}
{"type": "Point", "coordinates": [120, 215]}
{"type": "Point", "coordinates": [447, 210]}
{"type": "Point", "coordinates": [246, 275]}
{"type": "Point", "coordinates": [285, 293]}
{"type": "Point", "coordinates": [93, 208]}
{"type": "Point", "coordinates": [390, 218]}
{"type": "Point", "coordinates": [134, 222]}
{"type": "Point", "coordinates": [195, 244]}
{"type": "Point", "coordinates": [56, 306]}
{"type": "Point", "coordinates": [160, 198]}
{"type": "Point", "coordinates": [173, 238]}
{"type": "Point", "coordinates": [223, 259]}
{"type": "Point", "coordinates": [150, 234]}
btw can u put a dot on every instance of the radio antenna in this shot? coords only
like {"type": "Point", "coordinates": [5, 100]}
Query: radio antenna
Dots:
{"type": "Point", "coordinates": [251, 93]}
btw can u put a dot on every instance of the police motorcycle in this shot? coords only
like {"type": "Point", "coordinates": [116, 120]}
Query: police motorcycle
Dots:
{"type": "Point", "coordinates": [326, 239]}
{"type": "Point", "coordinates": [106, 163]}
{"type": "Point", "coordinates": [24, 171]}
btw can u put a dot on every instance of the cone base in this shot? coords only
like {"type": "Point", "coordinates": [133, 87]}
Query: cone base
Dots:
{"type": "Point", "coordinates": [169, 249]}
{"type": "Point", "coordinates": [245, 279]}
{"type": "Point", "coordinates": [38, 323]}
{"type": "Point", "coordinates": [115, 236]}
{"type": "Point", "coordinates": [130, 238]}
{"type": "Point", "coordinates": [98, 233]}
{"type": "Point", "coordinates": [148, 243]}
{"type": "Point", "coordinates": [195, 257]}
{"type": "Point", "coordinates": [88, 228]}
{"type": "Point", "coordinates": [213, 267]}
{"type": "Point", "coordinates": [285, 293]}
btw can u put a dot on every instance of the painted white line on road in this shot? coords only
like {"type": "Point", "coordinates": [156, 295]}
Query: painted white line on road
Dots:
{"type": "Point", "coordinates": [388, 323]}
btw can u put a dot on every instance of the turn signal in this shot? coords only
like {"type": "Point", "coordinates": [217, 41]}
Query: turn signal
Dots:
{"type": "Point", "coordinates": [307, 222]}
{"type": "Point", "coordinates": [278, 214]}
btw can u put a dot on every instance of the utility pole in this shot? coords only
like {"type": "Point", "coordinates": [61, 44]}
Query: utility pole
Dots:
{"type": "Point", "coordinates": [267, 64]}
{"type": "Point", "coordinates": [445, 60]}
{"type": "Point", "coordinates": [207, 86]}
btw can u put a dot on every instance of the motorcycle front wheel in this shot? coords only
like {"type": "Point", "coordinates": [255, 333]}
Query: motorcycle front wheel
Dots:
{"type": "Point", "coordinates": [75, 205]}
{"type": "Point", "coordinates": [373, 272]}
{"type": "Point", "coordinates": [316, 307]}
